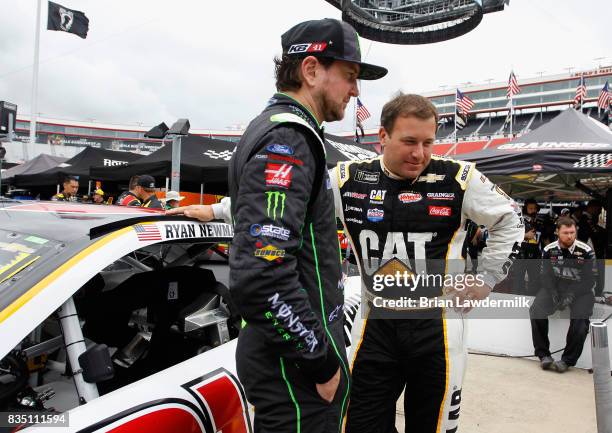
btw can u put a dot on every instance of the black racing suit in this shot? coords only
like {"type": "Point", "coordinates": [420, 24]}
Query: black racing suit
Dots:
{"type": "Point", "coordinates": [152, 203]}
{"type": "Point", "coordinates": [567, 281]}
{"type": "Point", "coordinates": [285, 272]}
{"type": "Point", "coordinates": [128, 198]}
{"type": "Point", "coordinates": [416, 226]}
{"type": "Point", "coordinates": [64, 197]}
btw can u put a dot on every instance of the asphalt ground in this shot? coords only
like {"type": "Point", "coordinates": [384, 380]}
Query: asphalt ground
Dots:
{"type": "Point", "coordinates": [509, 395]}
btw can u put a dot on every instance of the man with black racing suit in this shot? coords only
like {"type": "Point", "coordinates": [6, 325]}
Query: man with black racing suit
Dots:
{"type": "Point", "coordinates": [568, 280]}
{"type": "Point", "coordinates": [284, 259]}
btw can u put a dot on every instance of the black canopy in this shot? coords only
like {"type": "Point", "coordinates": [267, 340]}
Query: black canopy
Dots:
{"type": "Point", "coordinates": [40, 163]}
{"type": "Point", "coordinates": [344, 149]}
{"type": "Point", "coordinates": [571, 142]}
{"type": "Point", "coordinates": [554, 161]}
{"type": "Point", "coordinates": [205, 160]}
{"type": "Point", "coordinates": [78, 165]}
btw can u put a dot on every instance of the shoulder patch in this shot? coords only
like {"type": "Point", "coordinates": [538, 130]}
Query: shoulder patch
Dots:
{"type": "Point", "coordinates": [464, 173]}
{"type": "Point", "coordinates": [551, 245]}
{"type": "Point", "coordinates": [584, 246]}
{"type": "Point", "coordinates": [282, 149]}
{"type": "Point", "coordinates": [342, 169]}
{"type": "Point", "coordinates": [294, 118]}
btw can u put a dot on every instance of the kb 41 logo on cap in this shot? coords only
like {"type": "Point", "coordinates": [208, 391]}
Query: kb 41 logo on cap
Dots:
{"type": "Point", "coordinates": [313, 47]}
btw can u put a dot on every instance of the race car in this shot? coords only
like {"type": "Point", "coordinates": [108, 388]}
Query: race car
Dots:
{"type": "Point", "coordinates": [117, 319]}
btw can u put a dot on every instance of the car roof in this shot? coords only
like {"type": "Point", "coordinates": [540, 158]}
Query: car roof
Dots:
{"type": "Point", "coordinates": [46, 218]}
{"type": "Point", "coordinates": [50, 249]}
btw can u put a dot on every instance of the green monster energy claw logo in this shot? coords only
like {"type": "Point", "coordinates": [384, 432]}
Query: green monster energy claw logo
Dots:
{"type": "Point", "coordinates": [273, 197]}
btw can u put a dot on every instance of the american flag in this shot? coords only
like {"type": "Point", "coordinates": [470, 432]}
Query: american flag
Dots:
{"type": "Point", "coordinates": [464, 103]}
{"type": "Point", "coordinates": [147, 232]}
{"type": "Point", "coordinates": [362, 111]}
{"type": "Point", "coordinates": [605, 97]}
{"type": "Point", "coordinates": [513, 87]}
{"type": "Point", "coordinates": [580, 92]}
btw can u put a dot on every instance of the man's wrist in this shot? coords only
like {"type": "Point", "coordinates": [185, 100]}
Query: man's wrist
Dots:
{"type": "Point", "coordinates": [488, 279]}
{"type": "Point", "coordinates": [217, 209]}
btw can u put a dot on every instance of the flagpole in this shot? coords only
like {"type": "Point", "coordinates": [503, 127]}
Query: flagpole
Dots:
{"type": "Point", "coordinates": [511, 113]}
{"type": "Point", "coordinates": [355, 118]}
{"type": "Point", "coordinates": [34, 104]}
{"type": "Point", "coordinates": [455, 117]}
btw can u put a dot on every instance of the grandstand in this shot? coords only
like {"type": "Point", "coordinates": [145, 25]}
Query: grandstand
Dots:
{"type": "Point", "coordinates": [60, 132]}
{"type": "Point", "coordinates": [540, 100]}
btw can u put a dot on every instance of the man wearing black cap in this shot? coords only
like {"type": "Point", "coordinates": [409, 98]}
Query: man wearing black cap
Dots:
{"type": "Point", "coordinates": [145, 191]}
{"type": "Point", "coordinates": [284, 261]}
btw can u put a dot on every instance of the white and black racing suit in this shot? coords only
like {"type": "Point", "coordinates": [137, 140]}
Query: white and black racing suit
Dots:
{"type": "Point", "coordinates": [416, 226]}
{"type": "Point", "coordinates": [397, 225]}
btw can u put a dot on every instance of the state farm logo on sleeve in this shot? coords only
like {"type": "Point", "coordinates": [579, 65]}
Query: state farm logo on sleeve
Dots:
{"type": "Point", "coordinates": [278, 175]}
{"type": "Point", "coordinates": [410, 197]}
{"type": "Point", "coordinates": [443, 211]}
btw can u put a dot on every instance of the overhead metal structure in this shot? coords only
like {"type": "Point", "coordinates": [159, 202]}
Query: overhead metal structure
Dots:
{"type": "Point", "coordinates": [413, 22]}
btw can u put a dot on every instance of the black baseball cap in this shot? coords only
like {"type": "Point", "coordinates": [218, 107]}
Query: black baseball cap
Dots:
{"type": "Point", "coordinates": [329, 38]}
{"type": "Point", "coordinates": [146, 181]}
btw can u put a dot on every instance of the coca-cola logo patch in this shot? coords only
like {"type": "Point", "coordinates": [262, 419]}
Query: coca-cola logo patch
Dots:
{"type": "Point", "coordinates": [442, 211]}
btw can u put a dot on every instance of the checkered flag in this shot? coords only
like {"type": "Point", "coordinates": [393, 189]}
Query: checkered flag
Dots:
{"type": "Point", "coordinates": [594, 160]}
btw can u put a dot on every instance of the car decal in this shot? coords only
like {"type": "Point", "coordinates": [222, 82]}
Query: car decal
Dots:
{"type": "Point", "coordinates": [164, 415]}
{"type": "Point", "coordinates": [221, 397]}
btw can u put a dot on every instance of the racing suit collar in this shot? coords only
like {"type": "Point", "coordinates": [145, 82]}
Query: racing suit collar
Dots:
{"type": "Point", "coordinates": [571, 248]}
{"type": "Point", "coordinates": [394, 176]}
{"type": "Point", "coordinates": [284, 99]}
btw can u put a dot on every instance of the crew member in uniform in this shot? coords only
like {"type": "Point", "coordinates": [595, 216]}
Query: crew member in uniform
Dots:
{"type": "Point", "coordinates": [145, 191]}
{"type": "Point", "coordinates": [567, 281]}
{"type": "Point", "coordinates": [538, 234]}
{"type": "Point", "coordinates": [69, 193]}
{"type": "Point", "coordinates": [129, 197]}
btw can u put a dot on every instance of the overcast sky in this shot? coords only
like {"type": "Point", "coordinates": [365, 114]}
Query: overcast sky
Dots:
{"type": "Point", "coordinates": [149, 61]}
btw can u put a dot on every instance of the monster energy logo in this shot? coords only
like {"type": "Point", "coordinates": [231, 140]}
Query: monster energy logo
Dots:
{"type": "Point", "coordinates": [273, 197]}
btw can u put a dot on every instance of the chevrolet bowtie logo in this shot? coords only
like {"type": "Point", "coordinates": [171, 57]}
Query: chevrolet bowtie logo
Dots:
{"type": "Point", "coordinates": [431, 178]}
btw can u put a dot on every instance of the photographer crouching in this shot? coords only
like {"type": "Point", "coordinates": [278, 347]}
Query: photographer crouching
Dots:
{"type": "Point", "coordinates": [567, 281]}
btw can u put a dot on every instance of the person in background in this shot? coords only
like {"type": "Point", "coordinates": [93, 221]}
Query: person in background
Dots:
{"type": "Point", "coordinates": [567, 281]}
{"type": "Point", "coordinates": [69, 193]}
{"type": "Point", "coordinates": [145, 192]}
{"type": "Point", "coordinates": [172, 200]}
{"type": "Point", "coordinates": [98, 196]}
{"type": "Point", "coordinates": [129, 198]}
{"type": "Point", "coordinates": [538, 233]}
{"type": "Point", "coordinates": [591, 233]}
{"type": "Point", "coordinates": [577, 213]}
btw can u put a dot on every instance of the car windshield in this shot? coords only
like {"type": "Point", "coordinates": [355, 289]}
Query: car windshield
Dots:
{"type": "Point", "coordinates": [20, 252]}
